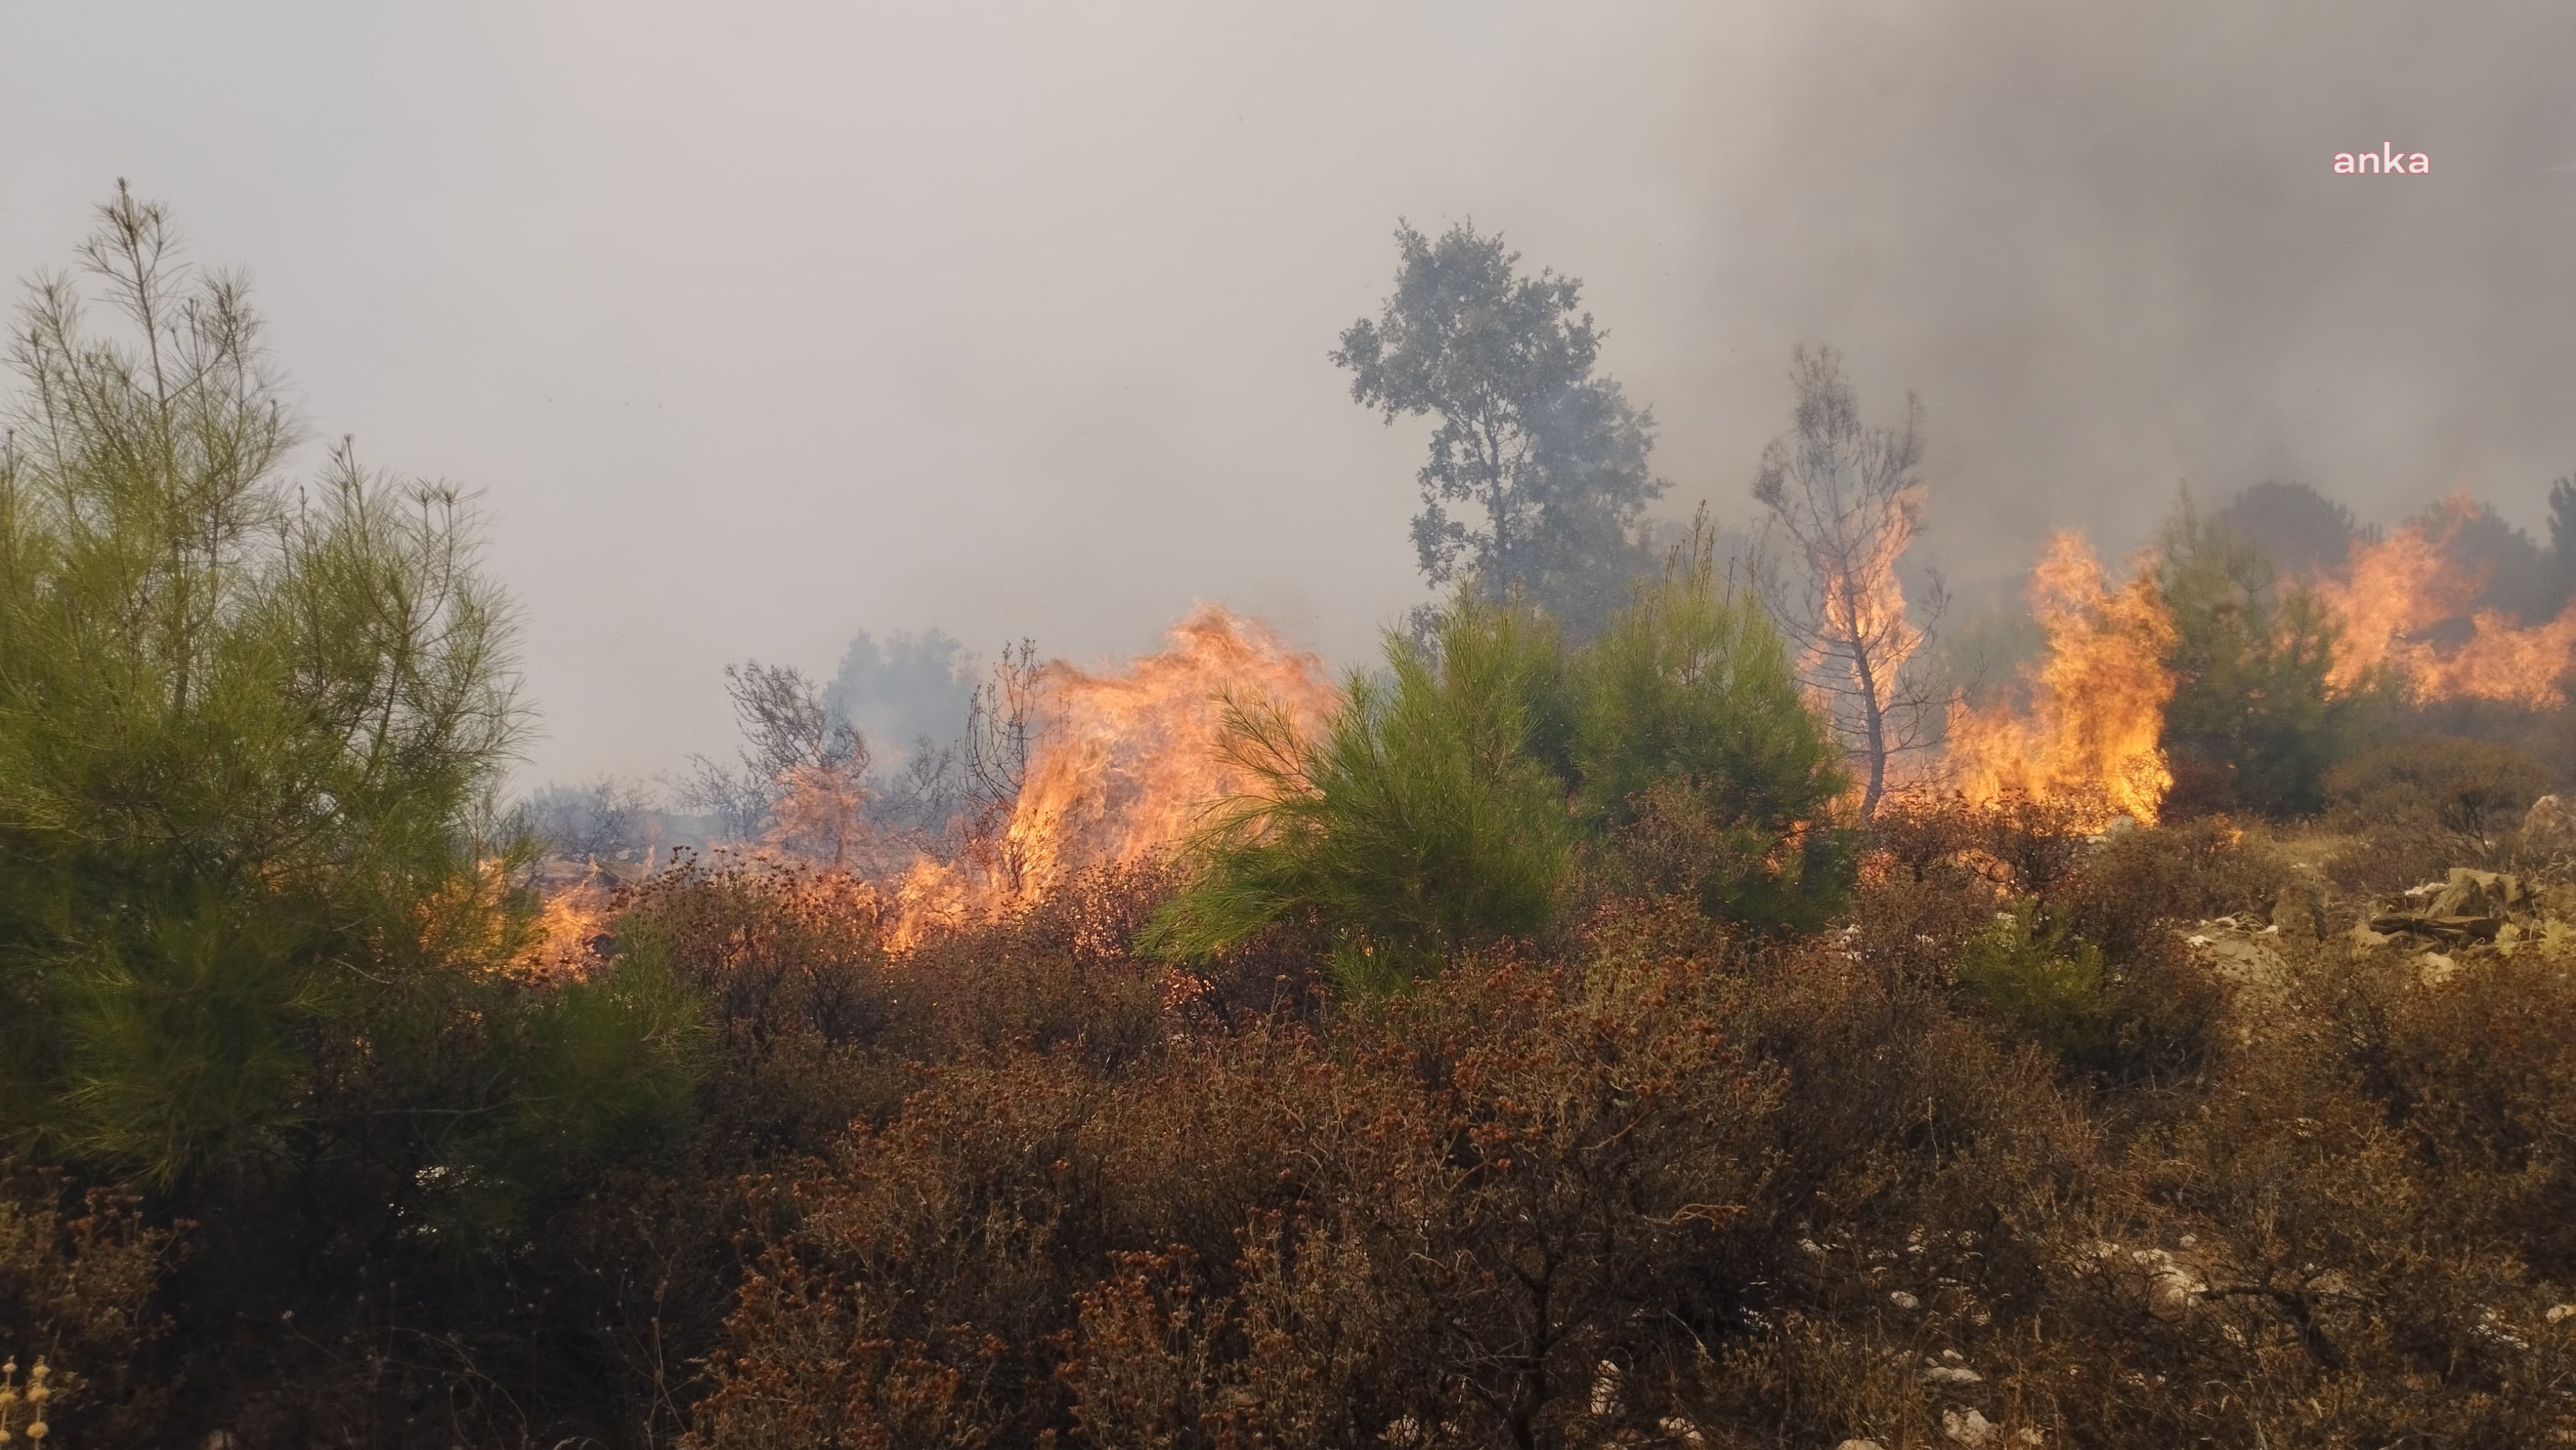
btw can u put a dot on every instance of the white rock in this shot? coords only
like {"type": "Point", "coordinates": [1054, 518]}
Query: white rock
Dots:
{"type": "Point", "coordinates": [1903, 1300]}
{"type": "Point", "coordinates": [1970, 1429]}
{"type": "Point", "coordinates": [1950, 1374]}
{"type": "Point", "coordinates": [1605, 1389]}
{"type": "Point", "coordinates": [2550, 828]}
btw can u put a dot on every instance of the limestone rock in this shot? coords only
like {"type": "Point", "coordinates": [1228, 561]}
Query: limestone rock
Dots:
{"type": "Point", "coordinates": [2166, 1284]}
{"type": "Point", "coordinates": [1970, 1428]}
{"type": "Point", "coordinates": [2470, 906]}
{"type": "Point", "coordinates": [2549, 831]}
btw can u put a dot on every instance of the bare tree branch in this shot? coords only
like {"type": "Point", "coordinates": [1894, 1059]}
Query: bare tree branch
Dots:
{"type": "Point", "coordinates": [1845, 501]}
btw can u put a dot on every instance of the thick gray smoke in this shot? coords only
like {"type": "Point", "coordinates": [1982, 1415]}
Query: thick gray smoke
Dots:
{"type": "Point", "coordinates": [904, 690]}
{"type": "Point", "coordinates": [759, 323]}
{"type": "Point", "coordinates": [2108, 247]}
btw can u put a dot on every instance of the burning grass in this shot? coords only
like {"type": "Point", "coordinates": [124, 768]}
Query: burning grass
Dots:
{"type": "Point", "coordinates": [2401, 619]}
{"type": "Point", "coordinates": [2098, 696]}
{"type": "Point", "coordinates": [2393, 594]}
{"type": "Point", "coordinates": [2069, 1128]}
{"type": "Point", "coordinates": [1643, 1179]}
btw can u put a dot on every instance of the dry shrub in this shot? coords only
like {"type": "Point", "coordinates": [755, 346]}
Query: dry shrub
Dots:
{"type": "Point", "coordinates": [819, 1022]}
{"type": "Point", "coordinates": [1059, 973]}
{"type": "Point", "coordinates": [2419, 807]}
{"type": "Point", "coordinates": [78, 1275]}
{"type": "Point", "coordinates": [1440, 1221]}
{"type": "Point", "coordinates": [791, 973]}
{"type": "Point", "coordinates": [2137, 884]}
{"type": "Point", "coordinates": [2020, 844]}
{"type": "Point", "coordinates": [2353, 1297]}
{"type": "Point", "coordinates": [2149, 1019]}
{"type": "Point", "coordinates": [1940, 868]}
{"type": "Point", "coordinates": [2479, 1071]}
{"type": "Point", "coordinates": [2061, 934]}
{"type": "Point", "coordinates": [1655, 1183]}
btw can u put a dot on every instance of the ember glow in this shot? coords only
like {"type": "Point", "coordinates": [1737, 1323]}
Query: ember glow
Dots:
{"type": "Point", "coordinates": [2097, 697]}
{"type": "Point", "coordinates": [2393, 591]}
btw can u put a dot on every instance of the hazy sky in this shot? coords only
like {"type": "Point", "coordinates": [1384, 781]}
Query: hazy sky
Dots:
{"type": "Point", "coordinates": [758, 324]}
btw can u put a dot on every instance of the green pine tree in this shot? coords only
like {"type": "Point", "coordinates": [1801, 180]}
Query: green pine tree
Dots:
{"type": "Point", "coordinates": [1451, 799]}
{"type": "Point", "coordinates": [2252, 725]}
{"type": "Point", "coordinates": [250, 896]}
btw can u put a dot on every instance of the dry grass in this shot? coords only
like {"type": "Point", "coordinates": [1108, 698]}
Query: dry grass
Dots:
{"type": "Point", "coordinates": [1647, 1182]}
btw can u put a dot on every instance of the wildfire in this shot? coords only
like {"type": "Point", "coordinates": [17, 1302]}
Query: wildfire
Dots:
{"type": "Point", "coordinates": [1866, 600]}
{"type": "Point", "coordinates": [2097, 697]}
{"type": "Point", "coordinates": [2394, 590]}
{"type": "Point", "coordinates": [574, 914]}
{"type": "Point", "coordinates": [1853, 660]}
{"type": "Point", "coordinates": [1122, 765]}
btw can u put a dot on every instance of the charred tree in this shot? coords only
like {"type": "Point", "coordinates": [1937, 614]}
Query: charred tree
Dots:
{"type": "Point", "coordinates": [1844, 501]}
{"type": "Point", "coordinates": [802, 774]}
{"type": "Point", "coordinates": [999, 720]}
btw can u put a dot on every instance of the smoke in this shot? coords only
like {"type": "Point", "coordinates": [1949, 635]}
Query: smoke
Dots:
{"type": "Point", "coordinates": [756, 321]}
{"type": "Point", "coordinates": [2106, 245]}
{"type": "Point", "coordinates": [907, 689]}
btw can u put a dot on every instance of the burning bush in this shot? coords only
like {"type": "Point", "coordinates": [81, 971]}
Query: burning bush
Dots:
{"type": "Point", "coordinates": [2252, 725]}
{"type": "Point", "coordinates": [1440, 809]}
{"type": "Point", "coordinates": [1424, 818]}
{"type": "Point", "coordinates": [2394, 593]}
{"type": "Point", "coordinates": [2208, 681]}
{"type": "Point", "coordinates": [2098, 697]}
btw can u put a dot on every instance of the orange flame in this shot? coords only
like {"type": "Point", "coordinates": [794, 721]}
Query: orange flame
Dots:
{"type": "Point", "coordinates": [2097, 698]}
{"type": "Point", "coordinates": [1865, 638]}
{"type": "Point", "coordinates": [819, 810]}
{"type": "Point", "coordinates": [2502, 661]}
{"type": "Point", "coordinates": [574, 912]}
{"type": "Point", "coordinates": [1124, 765]}
{"type": "Point", "coordinates": [2393, 590]}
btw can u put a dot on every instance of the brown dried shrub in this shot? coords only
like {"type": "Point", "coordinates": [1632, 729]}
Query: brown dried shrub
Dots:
{"type": "Point", "coordinates": [2478, 1070]}
{"type": "Point", "coordinates": [79, 1273]}
{"type": "Point", "coordinates": [2130, 890]}
{"type": "Point", "coordinates": [2418, 807]}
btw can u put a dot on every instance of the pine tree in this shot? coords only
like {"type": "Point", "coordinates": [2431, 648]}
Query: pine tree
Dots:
{"type": "Point", "coordinates": [251, 892]}
{"type": "Point", "coordinates": [1540, 470]}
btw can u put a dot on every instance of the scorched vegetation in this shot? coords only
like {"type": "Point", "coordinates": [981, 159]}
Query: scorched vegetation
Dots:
{"type": "Point", "coordinates": [1572, 1032]}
